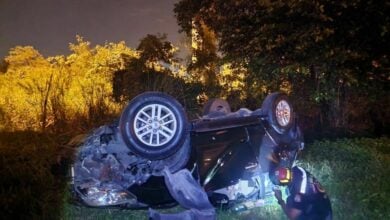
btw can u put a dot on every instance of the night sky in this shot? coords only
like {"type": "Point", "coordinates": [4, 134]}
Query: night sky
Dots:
{"type": "Point", "coordinates": [50, 25]}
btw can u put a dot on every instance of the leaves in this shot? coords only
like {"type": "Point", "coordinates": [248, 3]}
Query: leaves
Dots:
{"type": "Point", "coordinates": [337, 43]}
{"type": "Point", "coordinates": [40, 92]}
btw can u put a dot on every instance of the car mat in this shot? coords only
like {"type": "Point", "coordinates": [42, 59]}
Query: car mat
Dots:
{"type": "Point", "coordinates": [189, 194]}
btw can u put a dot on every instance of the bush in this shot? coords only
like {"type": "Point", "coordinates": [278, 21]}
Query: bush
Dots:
{"type": "Point", "coordinates": [355, 173]}
{"type": "Point", "coordinates": [28, 187]}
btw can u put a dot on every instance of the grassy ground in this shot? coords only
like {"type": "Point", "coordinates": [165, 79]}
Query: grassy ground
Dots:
{"type": "Point", "coordinates": [79, 212]}
{"type": "Point", "coordinates": [71, 211]}
{"type": "Point", "coordinates": [355, 172]}
{"type": "Point", "coordinates": [30, 186]}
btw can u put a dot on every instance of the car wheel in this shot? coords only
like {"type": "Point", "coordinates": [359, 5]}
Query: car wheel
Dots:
{"type": "Point", "coordinates": [174, 162]}
{"type": "Point", "coordinates": [216, 105]}
{"type": "Point", "coordinates": [279, 112]}
{"type": "Point", "coordinates": [154, 125]}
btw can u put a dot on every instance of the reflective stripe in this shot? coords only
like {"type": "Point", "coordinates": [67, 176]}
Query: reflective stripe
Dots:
{"type": "Point", "coordinates": [304, 181]}
{"type": "Point", "coordinates": [285, 176]}
{"type": "Point", "coordinates": [288, 175]}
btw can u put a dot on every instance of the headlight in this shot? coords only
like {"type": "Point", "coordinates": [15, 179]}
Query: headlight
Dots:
{"type": "Point", "coordinates": [106, 195]}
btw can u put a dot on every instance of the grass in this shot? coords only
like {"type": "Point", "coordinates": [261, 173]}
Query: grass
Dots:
{"type": "Point", "coordinates": [30, 187]}
{"type": "Point", "coordinates": [82, 212]}
{"type": "Point", "coordinates": [355, 172]}
{"type": "Point", "coordinates": [71, 211]}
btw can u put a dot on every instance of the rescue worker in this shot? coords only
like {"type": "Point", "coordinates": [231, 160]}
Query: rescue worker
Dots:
{"type": "Point", "coordinates": [306, 197]}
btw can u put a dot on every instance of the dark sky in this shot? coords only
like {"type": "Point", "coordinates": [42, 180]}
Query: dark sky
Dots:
{"type": "Point", "coordinates": [50, 25]}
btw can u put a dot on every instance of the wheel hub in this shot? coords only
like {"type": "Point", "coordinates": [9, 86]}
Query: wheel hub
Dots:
{"type": "Point", "coordinates": [155, 125]}
{"type": "Point", "coordinates": [283, 113]}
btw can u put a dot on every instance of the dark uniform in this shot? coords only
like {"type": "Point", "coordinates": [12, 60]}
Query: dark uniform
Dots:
{"type": "Point", "coordinates": [307, 195]}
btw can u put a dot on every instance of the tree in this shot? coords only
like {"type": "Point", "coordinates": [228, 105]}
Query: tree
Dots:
{"type": "Point", "coordinates": [30, 83]}
{"type": "Point", "coordinates": [205, 63]}
{"type": "Point", "coordinates": [156, 48]}
{"type": "Point", "coordinates": [3, 66]}
{"type": "Point", "coordinates": [333, 50]}
{"type": "Point", "coordinates": [296, 30]}
{"type": "Point", "coordinates": [148, 70]}
{"type": "Point", "coordinates": [54, 92]}
{"type": "Point", "coordinates": [92, 71]}
{"type": "Point", "coordinates": [154, 70]}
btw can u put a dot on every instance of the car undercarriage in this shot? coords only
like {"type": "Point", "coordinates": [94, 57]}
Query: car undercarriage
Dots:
{"type": "Point", "coordinates": [227, 154]}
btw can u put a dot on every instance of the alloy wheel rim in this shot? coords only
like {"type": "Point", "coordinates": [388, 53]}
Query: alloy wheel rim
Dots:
{"type": "Point", "coordinates": [155, 125]}
{"type": "Point", "coordinates": [283, 113]}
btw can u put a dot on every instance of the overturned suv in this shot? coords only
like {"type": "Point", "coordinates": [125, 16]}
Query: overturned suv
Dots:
{"type": "Point", "coordinates": [228, 153]}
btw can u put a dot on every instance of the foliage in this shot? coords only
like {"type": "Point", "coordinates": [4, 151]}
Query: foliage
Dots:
{"type": "Point", "coordinates": [29, 187]}
{"type": "Point", "coordinates": [323, 53]}
{"type": "Point", "coordinates": [355, 173]}
{"type": "Point", "coordinates": [89, 86]}
{"type": "Point", "coordinates": [156, 48]}
{"type": "Point", "coordinates": [3, 66]}
{"type": "Point", "coordinates": [205, 61]}
{"type": "Point", "coordinates": [156, 69]}
{"type": "Point", "coordinates": [54, 92]}
{"type": "Point", "coordinates": [299, 31]}
{"type": "Point", "coordinates": [17, 85]}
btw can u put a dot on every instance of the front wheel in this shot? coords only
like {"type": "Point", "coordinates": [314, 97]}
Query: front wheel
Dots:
{"type": "Point", "coordinates": [154, 125]}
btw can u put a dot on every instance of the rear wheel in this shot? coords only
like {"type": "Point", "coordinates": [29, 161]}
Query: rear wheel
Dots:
{"type": "Point", "coordinates": [154, 125]}
{"type": "Point", "coordinates": [279, 112]}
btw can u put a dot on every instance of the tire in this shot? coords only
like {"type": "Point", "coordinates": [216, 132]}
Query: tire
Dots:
{"type": "Point", "coordinates": [154, 125]}
{"type": "Point", "coordinates": [279, 112]}
{"type": "Point", "coordinates": [216, 105]}
{"type": "Point", "coordinates": [175, 162]}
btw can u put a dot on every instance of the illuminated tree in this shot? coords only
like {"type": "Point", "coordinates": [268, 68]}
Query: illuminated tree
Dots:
{"type": "Point", "coordinates": [205, 61]}
{"type": "Point", "coordinates": [39, 92]}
